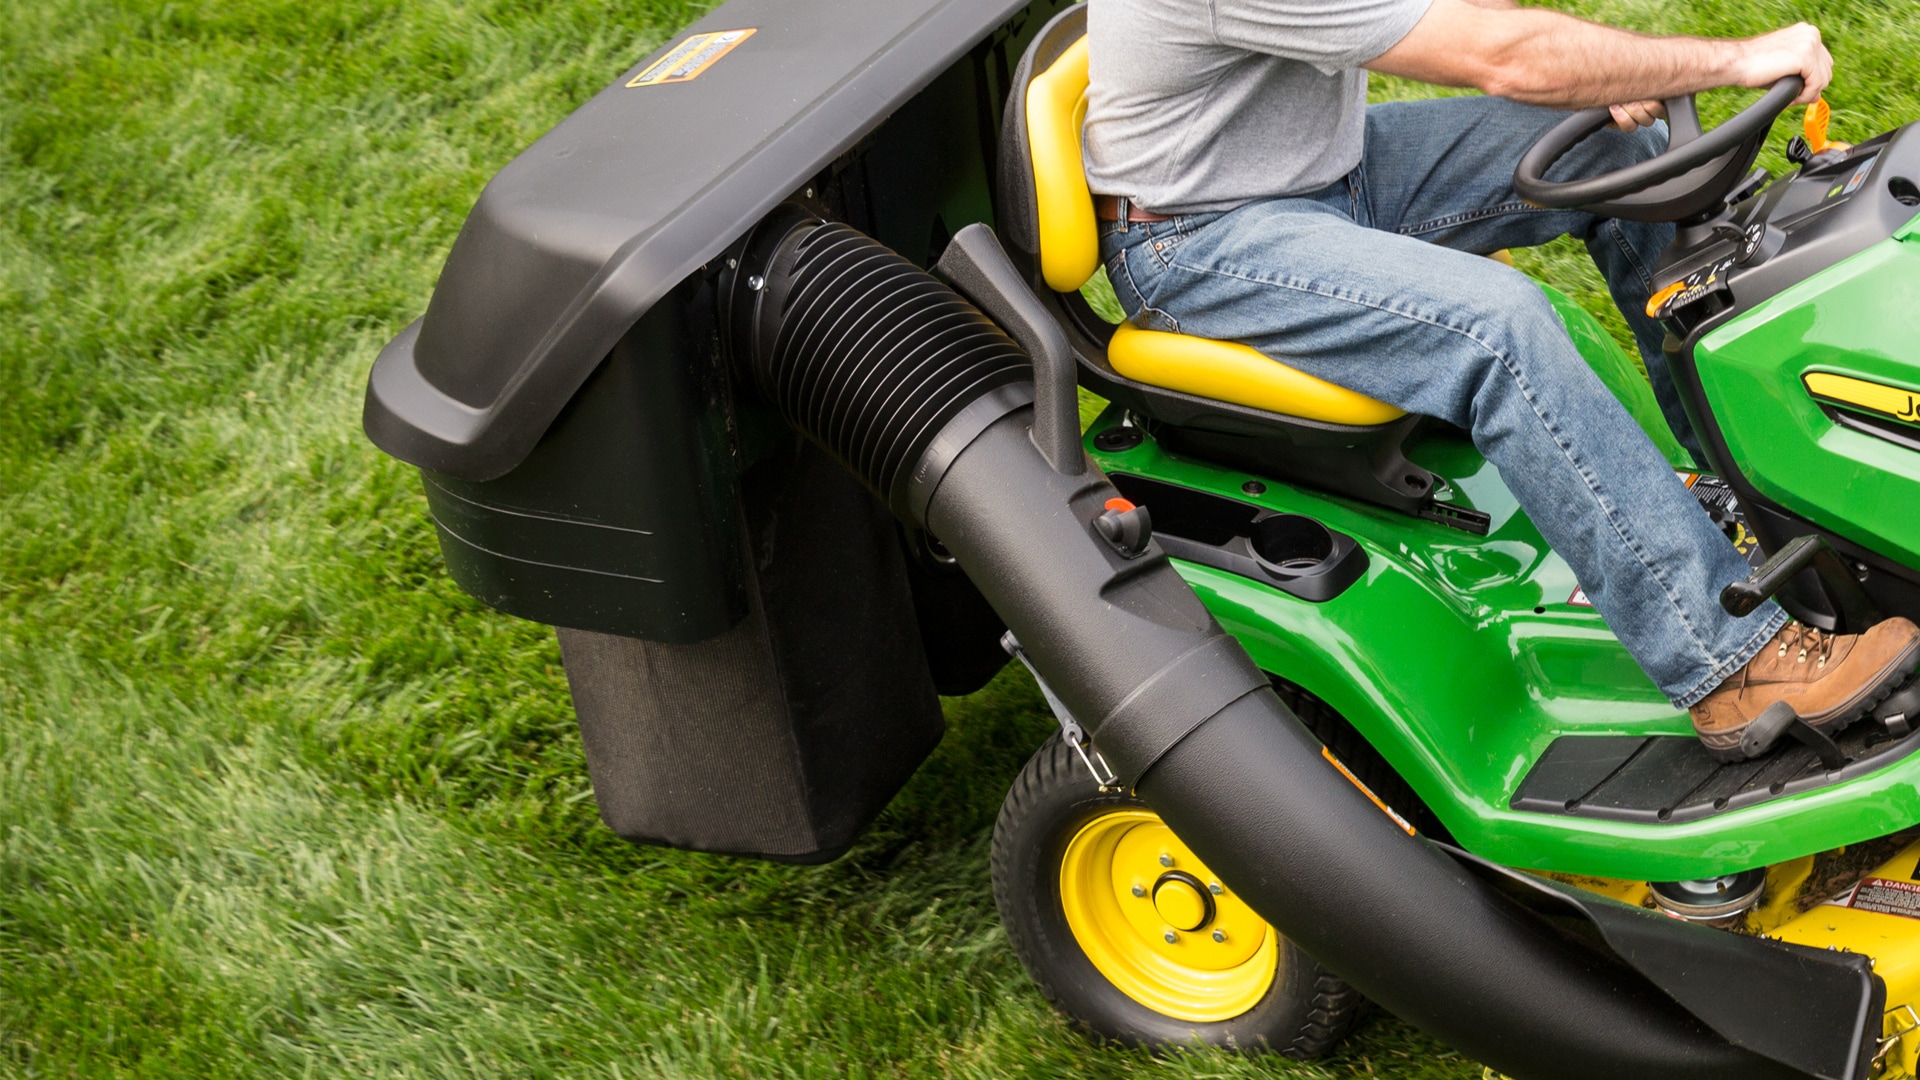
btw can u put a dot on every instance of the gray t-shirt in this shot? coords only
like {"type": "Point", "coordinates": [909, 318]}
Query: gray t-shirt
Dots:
{"type": "Point", "coordinates": [1200, 105]}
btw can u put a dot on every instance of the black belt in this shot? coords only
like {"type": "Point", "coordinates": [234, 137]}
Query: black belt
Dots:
{"type": "Point", "coordinates": [1107, 208]}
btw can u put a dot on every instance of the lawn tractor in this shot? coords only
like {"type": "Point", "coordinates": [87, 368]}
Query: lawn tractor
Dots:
{"type": "Point", "coordinates": [756, 377]}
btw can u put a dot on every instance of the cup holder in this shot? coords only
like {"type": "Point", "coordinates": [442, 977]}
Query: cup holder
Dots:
{"type": "Point", "coordinates": [1291, 553]}
{"type": "Point", "coordinates": [1290, 544]}
{"type": "Point", "coordinates": [1298, 555]}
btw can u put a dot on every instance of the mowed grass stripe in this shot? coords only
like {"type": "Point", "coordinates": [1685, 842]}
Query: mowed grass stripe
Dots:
{"type": "Point", "coordinates": [277, 799]}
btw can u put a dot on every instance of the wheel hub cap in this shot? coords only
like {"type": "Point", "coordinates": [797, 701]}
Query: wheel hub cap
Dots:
{"type": "Point", "coordinates": [1182, 901]}
{"type": "Point", "coordinates": [1159, 924]}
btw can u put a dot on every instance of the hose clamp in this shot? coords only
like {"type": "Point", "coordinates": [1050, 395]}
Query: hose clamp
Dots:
{"type": "Point", "coordinates": [914, 491]}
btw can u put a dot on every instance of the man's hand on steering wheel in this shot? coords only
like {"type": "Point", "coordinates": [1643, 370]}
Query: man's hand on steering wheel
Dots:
{"type": "Point", "coordinates": [1757, 61]}
{"type": "Point", "coordinates": [1794, 50]}
{"type": "Point", "coordinates": [1545, 57]}
{"type": "Point", "coordinates": [1638, 114]}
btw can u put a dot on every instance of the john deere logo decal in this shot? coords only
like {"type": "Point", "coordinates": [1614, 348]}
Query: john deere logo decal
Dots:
{"type": "Point", "coordinates": [1892, 402]}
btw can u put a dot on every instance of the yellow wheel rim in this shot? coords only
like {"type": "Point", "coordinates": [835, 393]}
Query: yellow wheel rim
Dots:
{"type": "Point", "coordinates": [1159, 925]}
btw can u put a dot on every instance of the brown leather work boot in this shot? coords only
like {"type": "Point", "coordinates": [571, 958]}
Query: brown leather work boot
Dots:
{"type": "Point", "coordinates": [1828, 680]}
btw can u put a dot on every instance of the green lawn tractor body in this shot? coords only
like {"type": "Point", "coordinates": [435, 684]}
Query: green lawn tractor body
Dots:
{"type": "Point", "coordinates": [756, 378]}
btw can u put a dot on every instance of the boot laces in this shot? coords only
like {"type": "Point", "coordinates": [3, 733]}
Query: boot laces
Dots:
{"type": "Point", "coordinates": [1811, 641]}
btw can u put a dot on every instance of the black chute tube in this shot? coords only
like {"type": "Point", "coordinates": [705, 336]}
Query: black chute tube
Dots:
{"type": "Point", "coordinates": [928, 403]}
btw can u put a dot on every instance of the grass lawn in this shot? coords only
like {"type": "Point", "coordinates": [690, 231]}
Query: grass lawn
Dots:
{"type": "Point", "coordinates": [276, 799]}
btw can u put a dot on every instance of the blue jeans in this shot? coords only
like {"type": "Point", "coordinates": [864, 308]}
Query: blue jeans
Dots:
{"type": "Point", "coordinates": [1376, 283]}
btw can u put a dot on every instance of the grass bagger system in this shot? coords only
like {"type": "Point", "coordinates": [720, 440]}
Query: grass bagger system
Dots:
{"type": "Point", "coordinates": [756, 377]}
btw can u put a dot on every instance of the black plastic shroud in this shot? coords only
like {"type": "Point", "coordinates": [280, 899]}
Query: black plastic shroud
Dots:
{"type": "Point", "coordinates": [640, 187]}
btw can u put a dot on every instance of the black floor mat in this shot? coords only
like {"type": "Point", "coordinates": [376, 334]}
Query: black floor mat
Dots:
{"type": "Point", "coordinates": [1672, 778]}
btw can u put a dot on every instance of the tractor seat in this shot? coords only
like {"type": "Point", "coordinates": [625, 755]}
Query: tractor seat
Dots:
{"type": "Point", "coordinates": [1069, 255]}
{"type": "Point", "coordinates": [1214, 401]}
{"type": "Point", "coordinates": [1238, 374]}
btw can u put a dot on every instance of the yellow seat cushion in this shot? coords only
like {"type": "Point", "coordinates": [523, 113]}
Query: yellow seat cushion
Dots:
{"type": "Point", "coordinates": [1238, 374]}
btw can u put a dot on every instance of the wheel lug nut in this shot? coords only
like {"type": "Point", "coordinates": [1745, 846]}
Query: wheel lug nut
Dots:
{"type": "Point", "coordinates": [1166, 859]}
{"type": "Point", "coordinates": [1214, 888]}
{"type": "Point", "coordinates": [1173, 938]}
{"type": "Point", "coordinates": [1219, 935]}
{"type": "Point", "coordinates": [1139, 890]}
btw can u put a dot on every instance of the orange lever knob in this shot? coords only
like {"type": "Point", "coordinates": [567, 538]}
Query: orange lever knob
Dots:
{"type": "Point", "coordinates": [1814, 125]}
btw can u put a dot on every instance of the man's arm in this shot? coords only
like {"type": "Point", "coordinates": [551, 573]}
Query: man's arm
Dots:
{"type": "Point", "coordinates": [1547, 58]}
{"type": "Point", "coordinates": [1627, 117]}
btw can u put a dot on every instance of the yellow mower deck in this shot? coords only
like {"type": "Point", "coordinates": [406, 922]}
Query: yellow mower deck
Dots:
{"type": "Point", "coordinates": [1880, 917]}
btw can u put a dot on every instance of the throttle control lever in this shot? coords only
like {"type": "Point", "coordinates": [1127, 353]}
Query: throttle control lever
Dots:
{"type": "Point", "coordinates": [1857, 610]}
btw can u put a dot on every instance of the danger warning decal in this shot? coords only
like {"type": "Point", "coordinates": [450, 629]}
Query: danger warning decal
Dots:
{"type": "Point", "coordinates": [1885, 896]}
{"type": "Point", "coordinates": [688, 59]}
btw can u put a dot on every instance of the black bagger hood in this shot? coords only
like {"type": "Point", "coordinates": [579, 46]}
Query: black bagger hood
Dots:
{"type": "Point", "coordinates": [576, 238]}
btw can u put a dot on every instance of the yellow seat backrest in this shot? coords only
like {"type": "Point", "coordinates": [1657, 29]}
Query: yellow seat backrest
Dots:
{"type": "Point", "coordinates": [1069, 239]}
{"type": "Point", "coordinates": [1056, 108]}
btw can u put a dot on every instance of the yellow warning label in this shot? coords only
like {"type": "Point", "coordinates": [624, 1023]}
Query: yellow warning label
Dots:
{"type": "Point", "coordinates": [688, 59]}
{"type": "Point", "coordinates": [1890, 401]}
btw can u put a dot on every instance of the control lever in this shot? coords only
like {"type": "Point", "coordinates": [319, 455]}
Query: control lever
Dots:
{"type": "Point", "coordinates": [1857, 610]}
{"type": "Point", "coordinates": [1811, 146]}
{"type": "Point", "coordinates": [1127, 527]}
{"type": "Point", "coordinates": [1741, 597]}
{"type": "Point", "coordinates": [1804, 156]}
{"type": "Point", "coordinates": [1813, 125]}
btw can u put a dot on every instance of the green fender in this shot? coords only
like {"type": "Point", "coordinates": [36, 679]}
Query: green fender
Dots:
{"type": "Point", "coordinates": [1461, 658]}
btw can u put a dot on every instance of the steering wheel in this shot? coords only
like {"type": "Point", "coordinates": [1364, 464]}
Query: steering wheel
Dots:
{"type": "Point", "coordinates": [1691, 176]}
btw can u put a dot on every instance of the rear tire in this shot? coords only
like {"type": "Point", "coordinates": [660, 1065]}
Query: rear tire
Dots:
{"type": "Point", "coordinates": [1276, 998]}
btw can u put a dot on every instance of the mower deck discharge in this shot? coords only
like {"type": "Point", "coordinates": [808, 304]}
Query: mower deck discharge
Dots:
{"type": "Point", "coordinates": [767, 401]}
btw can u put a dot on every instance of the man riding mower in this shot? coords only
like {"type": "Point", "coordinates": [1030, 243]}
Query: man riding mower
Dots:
{"type": "Point", "coordinates": [1317, 601]}
{"type": "Point", "coordinates": [1337, 238]}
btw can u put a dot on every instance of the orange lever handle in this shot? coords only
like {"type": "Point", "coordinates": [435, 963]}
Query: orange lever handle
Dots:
{"type": "Point", "coordinates": [1814, 125]}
